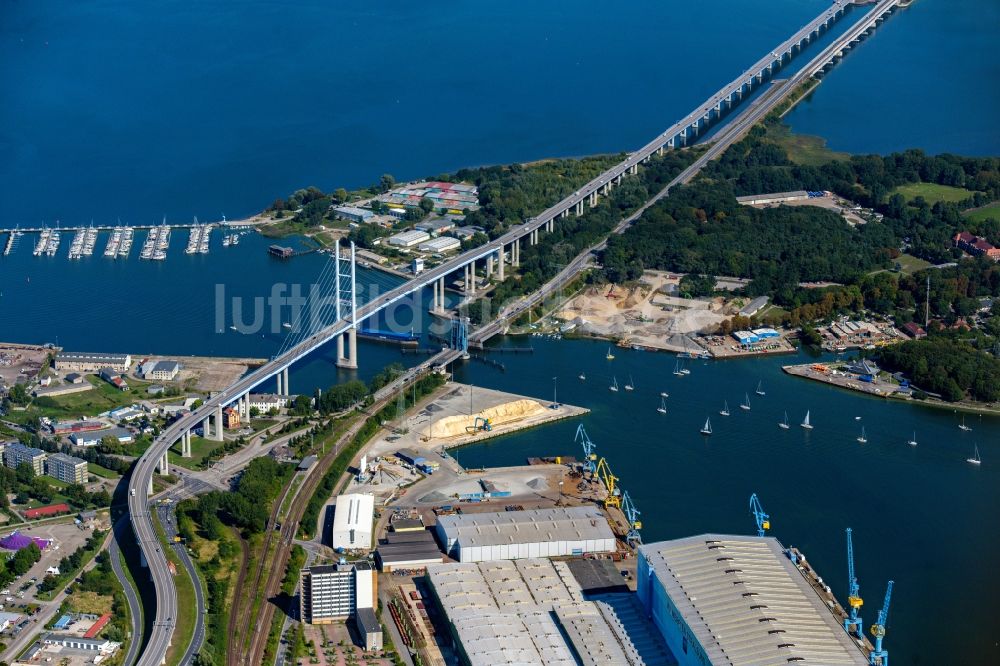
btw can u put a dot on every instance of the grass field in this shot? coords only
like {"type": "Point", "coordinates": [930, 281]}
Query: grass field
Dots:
{"type": "Point", "coordinates": [200, 449]}
{"type": "Point", "coordinates": [932, 192]}
{"type": "Point", "coordinates": [103, 471]}
{"type": "Point", "coordinates": [910, 264]}
{"type": "Point", "coordinates": [102, 398]}
{"type": "Point", "coordinates": [986, 212]}
{"type": "Point", "coordinates": [803, 148]}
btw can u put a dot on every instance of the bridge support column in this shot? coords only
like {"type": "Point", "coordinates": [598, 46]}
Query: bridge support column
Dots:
{"type": "Point", "coordinates": [284, 381]}
{"type": "Point", "coordinates": [516, 259]}
{"type": "Point", "coordinates": [467, 280]}
{"type": "Point", "coordinates": [349, 361]}
{"type": "Point", "coordinates": [551, 225]}
{"type": "Point", "coordinates": [164, 465]}
{"type": "Point", "coordinates": [579, 208]}
{"type": "Point", "coordinates": [218, 424]}
{"type": "Point", "coordinates": [634, 170]}
{"type": "Point", "coordinates": [593, 199]}
{"type": "Point", "coordinates": [205, 427]}
{"type": "Point", "coordinates": [659, 151]}
{"type": "Point", "coordinates": [489, 264]}
{"type": "Point", "coordinates": [186, 444]}
{"type": "Point", "coordinates": [277, 379]}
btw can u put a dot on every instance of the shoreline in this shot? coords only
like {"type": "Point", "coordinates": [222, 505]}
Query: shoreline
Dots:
{"type": "Point", "coordinates": [801, 371]}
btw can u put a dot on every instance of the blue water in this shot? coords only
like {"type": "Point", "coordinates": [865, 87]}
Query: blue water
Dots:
{"type": "Point", "coordinates": [136, 110]}
{"type": "Point", "coordinates": [921, 515]}
{"type": "Point", "coordinates": [928, 78]}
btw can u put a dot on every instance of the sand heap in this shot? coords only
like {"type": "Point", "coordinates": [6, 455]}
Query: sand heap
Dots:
{"type": "Point", "coordinates": [508, 412]}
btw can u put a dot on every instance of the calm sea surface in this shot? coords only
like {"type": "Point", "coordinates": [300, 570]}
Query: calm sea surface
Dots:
{"type": "Point", "coordinates": [136, 111]}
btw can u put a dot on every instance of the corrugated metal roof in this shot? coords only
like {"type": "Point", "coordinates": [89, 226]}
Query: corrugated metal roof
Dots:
{"type": "Point", "coordinates": [532, 526]}
{"type": "Point", "coordinates": [746, 603]}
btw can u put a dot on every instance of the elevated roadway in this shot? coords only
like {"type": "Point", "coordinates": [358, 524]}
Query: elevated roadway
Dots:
{"type": "Point", "coordinates": [507, 245]}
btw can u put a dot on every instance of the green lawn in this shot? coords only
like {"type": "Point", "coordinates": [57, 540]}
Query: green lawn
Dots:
{"type": "Point", "coordinates": [200, 449]}
{"type": "Point", "coordinates": [103, 471]}
{"type": "Point", "coordinates": [910, 264]}
{"type": "Point", "coordinates": [932, 192]}
{"type": "Point", "coordinates": [980, 214]}
{"type": "Point", "coordinates": [804, 148]}
{"type": "Point", "coordinates": [102, 398]}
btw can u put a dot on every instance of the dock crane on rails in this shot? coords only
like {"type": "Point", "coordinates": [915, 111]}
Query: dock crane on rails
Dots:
{"type": "Point", "coordinates": [632, 515]}
{"type": "Point", "coordinates": [762, 519]}
{"type": "Point", "coordinates": [853, 621]}
{"type": "Point", "coordinates": [880, 657]}
{"type": "Point", "coordinates": [610, 482]}
{"type": "Point", "coordinates": [588, 450]}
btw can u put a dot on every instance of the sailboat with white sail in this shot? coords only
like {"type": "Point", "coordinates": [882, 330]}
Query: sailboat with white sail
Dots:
{"type": "Point", "coordinates": [707, 428]}
{"type": "Point", "coordinates": [760, 390]}
{"type": "Point", "coordinates": [962, 426]}
{"type": "Point", "coordinates": [975, 459]}
{"type": "Point", "coordinates": [913, 439]}
{"type": "Point", "coordinates": [863, 438]}
{"type": "Point", "coordinates": [630, 386]}
{"type": "Point", "coordinates": [784, 424]}
{"type": "Point", "coordinates": [805, 423]}
{"type": "Point", "coordinates": [609, 356]}
{"type": "Point", "coordinates": [725, 408]}
{"type": "Point", "coordinates": [663, 406]}
{"type": "Point", "coordinates": [614, 385]}
{"type": "Point", "coordinates": [745, 405]}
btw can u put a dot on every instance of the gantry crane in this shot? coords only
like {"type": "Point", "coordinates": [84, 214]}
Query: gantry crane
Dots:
{"type": "Point", "coordinates": [632, 515]}
{"type": "Point", "coordinates": [762, 519]}
{"type": "Point", "coordinates": [853, 621]}
{"type": "Point", "coordinates": [603, 471]}
{"type": "Point", "coordinates": [880, 657]}
{"type": "Point", "coordinates": [588, 450]}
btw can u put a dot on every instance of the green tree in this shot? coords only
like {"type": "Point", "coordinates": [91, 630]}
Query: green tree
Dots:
{"type": "Point", "coordinates": [386, 182]}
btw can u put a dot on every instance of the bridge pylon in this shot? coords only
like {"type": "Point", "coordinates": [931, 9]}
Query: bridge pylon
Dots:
{"type": "Point", "coordinates": [347, 290]}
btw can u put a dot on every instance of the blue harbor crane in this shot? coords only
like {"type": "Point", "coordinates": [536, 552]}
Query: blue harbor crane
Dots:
{"type": "Point", "coordinates": [588, 450]}
{"type": "Point", "coordinates": [762, 519]}
{"type": "Point", "coordinates": [632, 515]}
{"type": "Point", "coordinates": [852, 623]}
{"type": "Point", "coordinates": [880, 657]}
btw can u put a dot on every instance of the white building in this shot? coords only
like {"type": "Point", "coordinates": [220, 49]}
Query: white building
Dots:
{"type": "Point", "coordinates": [335, 591]}
{"type": "Point", "coordinates": [161, 371]}
{"type": "Point", "coordinates": [353, 213]}
{"type": "Point", "coordinates": [99, 645]}
{"type": "Point", "coordinates": [738, 600]}
{"type": "Point", "coordinates": [510, 535]}
{"type": "Point", "coordinates": [265, 402]}
{"type": "Point", "coordinates": [352, 522]}
{"type": "Point", "coordinates": [408, 239]}
{"type": "Point", "coordinates": [83, 362]}
{"type": "Point", "coordinates": [440, 244]}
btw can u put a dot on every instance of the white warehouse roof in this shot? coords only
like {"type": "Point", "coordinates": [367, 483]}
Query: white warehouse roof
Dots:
{"type": "Point", "coordinates": [744, 602]}
{"type": "Point", "coordinates": [352, 521]}
{"type": "Point", "coordinates": [576, 523]}
{"type": "Point", "coordinates": [440, 244]}
{"type": "Point", "coordinates": [503, 612]}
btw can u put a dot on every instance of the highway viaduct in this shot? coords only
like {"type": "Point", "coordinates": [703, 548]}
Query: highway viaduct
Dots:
{"type": "Point", "coordinates": [494, 255]}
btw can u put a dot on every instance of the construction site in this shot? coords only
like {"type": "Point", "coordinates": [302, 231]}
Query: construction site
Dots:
{"type": "Point", "coordinates": [651, 314]}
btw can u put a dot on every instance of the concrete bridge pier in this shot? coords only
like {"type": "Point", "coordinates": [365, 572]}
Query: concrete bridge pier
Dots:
{"type": "Point", "coordinates": [550, 226]}
{"type": "Point", "coordinates": [468, 278]}
{"type": "Point", "coordinates": [593, 199]}
{"type": "Point", "coordinates": [500, 259]}
{"type": "Point", "coordinates": [280, 390]}
{"type": "Point", "coordinates": [350, 360]}
{"type": "Point", "coordinates": [284, 383]}
{"type": "Point", "coordinates": [163, 467]}
{"type": "Point", "coordinates": [579, 210]}
{"type": "Point", "coordinates": [186, 444]}
{"type": "Point", "coordinates": [515, 253]}
{"type": "Point", "coordinates": [218, 424]}
{"type": "Point", "coordinates": [489, 265]}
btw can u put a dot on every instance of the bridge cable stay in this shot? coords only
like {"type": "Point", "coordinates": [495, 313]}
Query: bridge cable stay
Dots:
{"type": "Point", "coordinates": [301, 327]}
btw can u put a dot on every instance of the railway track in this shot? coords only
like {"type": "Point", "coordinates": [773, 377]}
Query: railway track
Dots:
{"type": "Point", "coordinates": [262, 623]}
{"type": "Point", "coordinates": [239, 622]}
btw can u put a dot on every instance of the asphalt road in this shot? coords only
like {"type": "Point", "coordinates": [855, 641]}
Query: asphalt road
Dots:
{"type": "Point", "coordinates": [169, 522]}
{"type": "Point", "coordinates": [122, 531]}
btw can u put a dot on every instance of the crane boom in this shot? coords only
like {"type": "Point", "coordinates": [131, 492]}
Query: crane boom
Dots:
{"type": "Point", "coordinates": [762, 519]}
{"type": "Point", "coordinates": [853, 599]}
{"type": "Point", "coordinates": [879, 656]}
{"type": "Point", "coordinates": [588, 449]}
{"type": "Point", "coordinates": [632, 515]}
